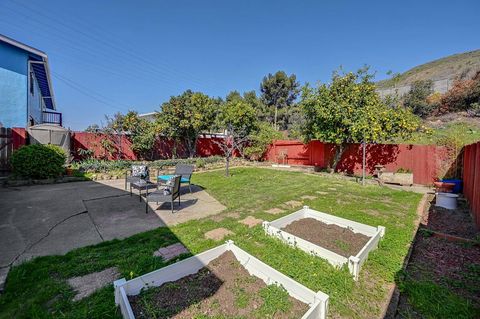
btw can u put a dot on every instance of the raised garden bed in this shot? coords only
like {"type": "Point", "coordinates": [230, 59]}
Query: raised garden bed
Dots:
{"type": "Point", "coordinates": [223, 281]}
{"type": "Point", "coordinates": [338, 240]}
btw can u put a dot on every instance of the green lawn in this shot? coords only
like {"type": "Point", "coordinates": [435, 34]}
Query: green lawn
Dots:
{"type": "Point", "coordinates": [38, 289]}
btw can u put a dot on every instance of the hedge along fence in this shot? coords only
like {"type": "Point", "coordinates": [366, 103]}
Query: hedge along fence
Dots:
{"type": "Point", "coordinates": [426, 162]}
{"type": "Point", "coordinates": [471, 179]}
{"type": "Point", "coordinates": [117, 147]}
{"type": "Point", "coordinates": [105, 166]}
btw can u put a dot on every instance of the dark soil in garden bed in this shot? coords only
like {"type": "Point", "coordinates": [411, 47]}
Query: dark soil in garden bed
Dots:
{"type": "Point", "coordinates": [221, 289]}
{"type": "Point", "coordinates": [453, 222]}
{"type": "Point", "coordinates": [340, 240]}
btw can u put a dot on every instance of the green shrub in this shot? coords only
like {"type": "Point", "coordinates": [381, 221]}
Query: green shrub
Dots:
{"type": "Point", "coordinates": [474, 110]}
{"type": "Point", "coordinates": [38, 161]}
{"type": "Point", "coordinates": [417, 98]}
{"type": "Point", "coordinates": [103, 166]}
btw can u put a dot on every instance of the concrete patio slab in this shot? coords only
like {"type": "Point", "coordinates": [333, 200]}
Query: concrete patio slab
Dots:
{"type": "Point", "coordinates": [195, 205]}
{"type": "Point", "coordinates": [121, 217]}
{"type": "Point", "coordinates": [51, 219]}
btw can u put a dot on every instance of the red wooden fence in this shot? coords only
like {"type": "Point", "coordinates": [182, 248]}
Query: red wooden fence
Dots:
{"type": "Point", "coordinates": [121, 147]}
{"type": "Point", "coordinates": [471, 179]}
{"type": "Point", "coordinates": [427, 162]}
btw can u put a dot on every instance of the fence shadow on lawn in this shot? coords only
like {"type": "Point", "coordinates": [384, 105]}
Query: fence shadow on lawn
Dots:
{"type": "Point", "coordinates": [171, 298]}
{"type": "Point", "coordinates": [68, 217]}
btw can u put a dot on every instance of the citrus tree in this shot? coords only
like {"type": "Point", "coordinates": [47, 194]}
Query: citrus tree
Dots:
{"type": "Point", "coordinates": [349, 110]}
{"type": "Point", "coordinates": [143, 134]}
{"type": "Point", "coordinates": [184, 117]}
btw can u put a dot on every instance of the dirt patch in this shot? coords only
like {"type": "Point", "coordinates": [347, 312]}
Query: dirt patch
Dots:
{"type": "Point", "coordinates": [453, 222]}
{"type": "Point", "coordinates": [221, 289]}
{"type": "Point", "coordinates": [322, 193]}
{"type": "Point", "coordinates": [292, 204]}
{"type": "Point", "coordinates": [308, 197]}
{"type": "Point", "coordinates": [218, 233]}
{"type": "Point", "coordinates": [275, 211]}
{"type": "Point", "coordinates": [340, 240]}
{"type": "Point", "coordinates": [251, 221]}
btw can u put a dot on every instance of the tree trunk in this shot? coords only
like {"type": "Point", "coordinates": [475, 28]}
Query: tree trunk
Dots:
{"type": "Point", "coordinates": [191, 146]}
{"type": "Point", "coordinates": [174, 148]}
{"type": "Point", "coordinates": [227, 165]}
{"type": "Point", "coordinates": [195, 146]}
{"type": "Point", "coordinates": [339, 149]}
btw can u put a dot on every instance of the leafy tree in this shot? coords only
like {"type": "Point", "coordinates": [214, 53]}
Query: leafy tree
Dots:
{"type": "Point", "coordinates": [417, 98]}
{"type": "Point", "coordinates": [279, 92]}
{"type": "Point", "coordinates": [260, 140]}
{"type": "Point", "coordinates": [143, 134]}
{"type": "Point", "coordinates": [234, 141]}
{"type": "Point", "coordinates": [184, 117]}
{"type": "Point", "coordinates": [239, 114]}
{"type": "Point", "coordinates": [112, 132]}
{"type": "Point", "coordinates": [92, 128]}
{"type": "Point", "coordinates": [462, 95]}
{"type": "Point", "coordinates": [238, 119]}
{"type": "Point", "coordinates": [349, 110]}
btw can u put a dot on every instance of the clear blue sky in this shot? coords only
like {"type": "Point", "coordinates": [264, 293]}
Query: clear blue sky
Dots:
{"type": "Point", "coordinates": [114, 55]}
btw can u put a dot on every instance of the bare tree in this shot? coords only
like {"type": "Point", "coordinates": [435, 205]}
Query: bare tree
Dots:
{"type": "Point", "coordinates": [234, 140]}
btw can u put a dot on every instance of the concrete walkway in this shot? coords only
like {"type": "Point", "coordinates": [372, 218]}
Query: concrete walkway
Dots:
{"type": "Point", "coordinates": [54, 219]}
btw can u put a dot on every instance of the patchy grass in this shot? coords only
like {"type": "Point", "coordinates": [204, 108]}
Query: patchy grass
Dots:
{"type": "Point", "coordinates": [38, 289]}
{"type": "Point", "coordinates": [434, 301]}
{"type": "Point", "coordinates": [275, 299]}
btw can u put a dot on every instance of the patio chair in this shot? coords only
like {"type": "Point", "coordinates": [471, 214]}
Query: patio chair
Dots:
{"type": "Point", "coordinates": [136, 174]}
{"type": "Point", "coordinates": [185, 171]}
{"type": "Point", "coordinates": [160, 196]}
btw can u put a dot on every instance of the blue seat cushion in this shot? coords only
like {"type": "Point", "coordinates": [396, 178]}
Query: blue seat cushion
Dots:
{"type": "Point", "coordinates": [167, 177]}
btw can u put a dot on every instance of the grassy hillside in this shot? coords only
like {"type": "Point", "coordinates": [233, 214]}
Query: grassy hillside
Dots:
{"type": "Point", "coordinates": [457, 65]}
{"type": "Point", "coordinates": [454, 128]}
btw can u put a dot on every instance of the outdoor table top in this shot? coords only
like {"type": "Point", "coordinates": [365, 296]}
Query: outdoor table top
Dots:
{"type": "Point", "coordinates": [143, 185]}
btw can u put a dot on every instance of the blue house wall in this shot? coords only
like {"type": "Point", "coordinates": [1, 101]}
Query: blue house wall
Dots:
{"type": "Point", "coordinates": [13, 86]}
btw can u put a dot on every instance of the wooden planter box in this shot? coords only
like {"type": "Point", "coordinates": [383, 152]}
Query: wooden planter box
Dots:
{"type": "Point", "coordinates": [318, 301]}
{"type": "Point", "coordinates": [274, 228]}
{"type": "Point", "coordinates": [405, 179]}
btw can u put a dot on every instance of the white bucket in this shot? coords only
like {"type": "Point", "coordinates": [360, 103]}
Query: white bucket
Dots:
{"type": "Point", "coordinates": [446, 200]}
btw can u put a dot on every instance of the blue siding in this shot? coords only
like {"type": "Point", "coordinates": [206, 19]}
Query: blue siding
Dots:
{"type": "Point", "coordinates": [13, 59]}
{"type": "Point", "coordinates": [13, 86]}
